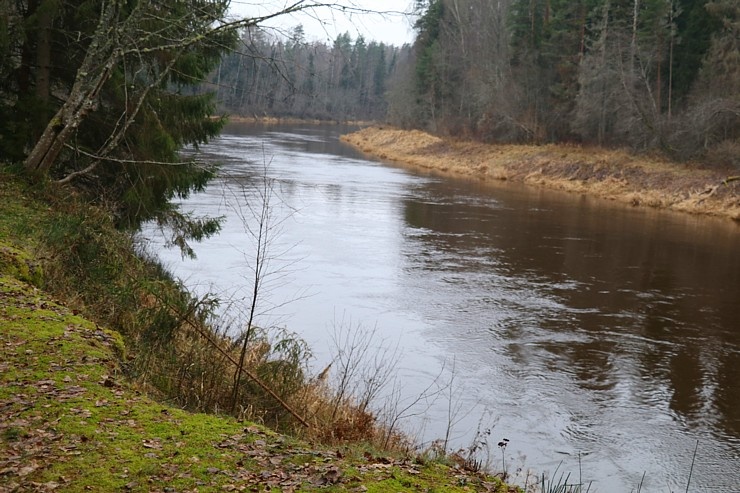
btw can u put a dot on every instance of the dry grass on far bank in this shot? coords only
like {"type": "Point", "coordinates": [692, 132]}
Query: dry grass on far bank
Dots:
{"type": "Point", "coordinates": [611, 174]}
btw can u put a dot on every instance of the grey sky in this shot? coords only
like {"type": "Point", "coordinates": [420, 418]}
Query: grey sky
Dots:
{"type": "Point", "coordinates": [392, 27]}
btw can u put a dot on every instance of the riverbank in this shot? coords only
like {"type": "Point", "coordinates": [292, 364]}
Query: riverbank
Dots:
{"type": "Point", "coordinates": [87, 408]}
{"type": "Point", "coordinates": [610, 174]}
{"type": "Point", "coordinates": [70, 421]}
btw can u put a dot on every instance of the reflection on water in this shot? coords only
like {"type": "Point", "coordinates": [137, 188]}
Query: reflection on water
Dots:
{"type": "Point", "coordinates": [585, 327]}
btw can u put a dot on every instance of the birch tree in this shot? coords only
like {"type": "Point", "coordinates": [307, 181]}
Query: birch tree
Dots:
{"type": "Point", "coordinates": [147, 31]}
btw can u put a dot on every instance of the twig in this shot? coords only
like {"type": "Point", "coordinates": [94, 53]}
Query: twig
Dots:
{"type": "Point", "coordinates": [693, 459]}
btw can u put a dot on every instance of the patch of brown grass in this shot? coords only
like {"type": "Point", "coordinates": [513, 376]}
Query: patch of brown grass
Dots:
{"type": "Point", "coordinates": [335, 420]}
{"type": "Point", "coordinates": [642, 180]}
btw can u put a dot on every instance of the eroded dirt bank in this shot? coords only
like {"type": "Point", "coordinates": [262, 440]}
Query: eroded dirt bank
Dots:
{"type": "Point", "coordinates": [615, 175]}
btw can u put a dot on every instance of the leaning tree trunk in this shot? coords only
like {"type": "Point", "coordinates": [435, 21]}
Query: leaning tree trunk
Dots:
{"type": "Point", "coordinates": [81, 101]}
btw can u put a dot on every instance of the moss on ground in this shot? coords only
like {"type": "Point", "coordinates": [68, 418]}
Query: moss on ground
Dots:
{"type": "Point", "coordinates": [17, 263]}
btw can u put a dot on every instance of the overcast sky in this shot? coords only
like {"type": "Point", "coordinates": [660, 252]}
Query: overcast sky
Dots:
{"type": "Point", "coordinates": [393, 27]}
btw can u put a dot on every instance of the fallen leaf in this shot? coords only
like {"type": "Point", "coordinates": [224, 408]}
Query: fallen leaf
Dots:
{"type": "Point", "coordinates": [26, 470]}
{"type": "Point", "coordinates": [152, 444]}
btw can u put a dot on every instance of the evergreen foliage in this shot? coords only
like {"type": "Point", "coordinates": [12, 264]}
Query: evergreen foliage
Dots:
{"type": "Point", "coordinates": [136, 112]}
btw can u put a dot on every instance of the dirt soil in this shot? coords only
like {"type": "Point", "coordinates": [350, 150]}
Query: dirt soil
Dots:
{"type": "Point", "coordinates": [610, 174]}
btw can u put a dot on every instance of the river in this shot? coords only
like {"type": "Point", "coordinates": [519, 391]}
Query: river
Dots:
{"type": "Point", "coordinates": [594, 336]}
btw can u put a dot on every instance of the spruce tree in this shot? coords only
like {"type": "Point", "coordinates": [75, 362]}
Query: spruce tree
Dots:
{"type": "Point", "coordinates": [124, 72]}
{"type": "Point", "coordinates": [101, 95]}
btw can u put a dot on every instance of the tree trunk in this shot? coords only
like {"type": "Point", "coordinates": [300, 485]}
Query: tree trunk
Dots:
{"type": "Point", "coordinates": [94, 71]}
{"type": "Point", "coordinates": [633, 45]}
{"type": "Point", "coordinates": [23, 77]}
{"type": "Point", "coordinates": [659, 81]}
{"type": "Point", "coordinates": [82, 100]}
{"type": "Point", "coordinates": [43, 51]}
{"type": "Point", "coordinates": [602, 110]}
{"type": "Point", "coordinates": [670, 82]}
{"type": "Point", "coordinates": [582, 37]}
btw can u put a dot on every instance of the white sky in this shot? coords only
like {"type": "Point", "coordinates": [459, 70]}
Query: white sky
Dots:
{"type": "Point", "coordinates": [324, 24]}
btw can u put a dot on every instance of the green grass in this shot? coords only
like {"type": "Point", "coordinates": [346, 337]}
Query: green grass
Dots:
{"type": "Point", "coordinates": [22, 215]}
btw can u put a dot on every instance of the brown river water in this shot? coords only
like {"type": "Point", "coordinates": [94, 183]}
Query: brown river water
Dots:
{"type": "Point", "coordinates": [601, 340]}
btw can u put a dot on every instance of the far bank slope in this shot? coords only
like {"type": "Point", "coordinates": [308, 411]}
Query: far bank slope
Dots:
{"type": "Point", "coordinates": [614, 175]}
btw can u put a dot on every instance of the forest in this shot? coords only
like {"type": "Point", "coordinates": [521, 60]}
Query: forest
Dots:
{"type": "Point", "coordinates": [644, 74]}
{"type": "Point", "coordinates": [98, 92]}
{"type": "Point", "coordinates": [647, 74]}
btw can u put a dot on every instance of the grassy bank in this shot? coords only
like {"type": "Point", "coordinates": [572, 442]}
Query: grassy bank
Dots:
{"type": "Point", "coordinates": [87, 408]}
{"type": "Point", "coordinates": [610, 174]}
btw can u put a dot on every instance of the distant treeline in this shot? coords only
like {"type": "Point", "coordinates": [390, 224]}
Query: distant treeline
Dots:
{"type": "Point", "coordinates": [288, 76]}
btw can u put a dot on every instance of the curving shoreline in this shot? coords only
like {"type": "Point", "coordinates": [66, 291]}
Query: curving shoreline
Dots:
{"type": "Point", "coordinates": [610, 174]}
